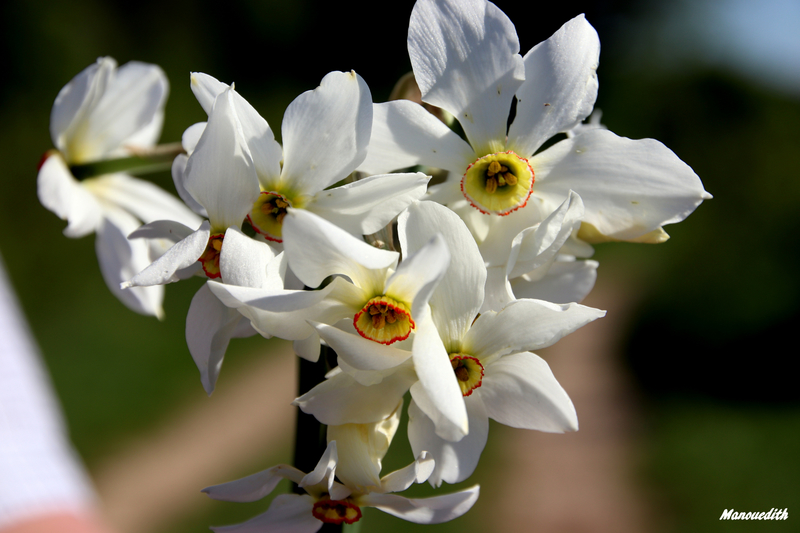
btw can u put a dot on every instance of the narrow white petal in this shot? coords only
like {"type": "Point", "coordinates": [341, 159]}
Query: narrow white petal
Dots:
{"type": "Point", "coordinates": [342, 400]}
{"type": "Point", "coordinates": [210, 325]}
{"type": "Point", "coordinates": [220, 173]}
{"type": "Point", "coordinates": [75, 102]}
{"type": "Point", "coordinates": [459, 295]}
{"type": "Point", "coordinates": [417, 472]}
{"type": "Point", "coordinates": [560, 86]}
{"type": "Point", "coordinates": [434, 510]}
{"type": "Point", "coordinates": [325, 470]}
{"type": "Point", "coordinates": [565, 281]}
{"type": "Point", "coordinates": [404, 134]}
{"type": "Point", "coordinates": [437, 392]}
{"type": "Point", "coordinates": [366, 206]}
{"type": "Point", "coordinates": [264, 149]}
{"type": "Point", "coordinates": [525, 325]}
{"type": "Point", "coordinates": [498, 290]}
{"type": "Point", "coordinates": [465, 56]}
{"type": "Point", "coordinates": [162, 229]}
{"type": "Point", "coordinates": [360, 353]}
{"type": "Point", "coordinates": [243, 261]}
{"type": "Point", "coordinates": [143, 199]}
{"type": "Point", "coordinates": [120, 259]}
{"type": "Point", "coordinates": [317, 249]}
{"type": "Point", "coordinates": [179, 179]}
{"type": "Point", "coordinates": [629, 187]}
{"type": "Point", "coordinates": [255, 486]}
{"type": "Point", "coordinates": [361, 449]}
{"type": "Point", "coordinates": [455, 461]}
{"type": "Point", "coordinates": [520, 391]}
{"type": "Point", "coordinates": [538, 247]}
{"type": "Point", "coordinates": [326, 132]}
{"type": "Point", "coordinates": [418, 275]}
{"type": "Point", "coordinates": [183, 254]}
{"type": "Point", "coordinates": [62, 194]}
{"type": "Point", "coordinates": [288, 513]}
{"type": "Point", "coordinates": [134, 98]}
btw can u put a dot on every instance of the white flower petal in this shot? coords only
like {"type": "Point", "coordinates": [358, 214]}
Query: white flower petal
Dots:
{"type": "Point", "coordinates": [459, 295]}
{"type": "Point", "coordinates": [264, 149]}
{"type": "Point", "coordinates": [437, 392]}
{"type": "Point", "coordinates": [465, 56]}
{"type": "Point", "coordinates": [366, 206]}
{"type": "Point", "coordinates": [134, 98]}
{"type": "Point", "coordinates": [524, 325]}
{"type": "Point", "coordinates": [361, 449]}
{"type": "Point", "coordinates": [288, 513]}
{"type": "Point", "coordinates": [417, 276]}
{"type": "Point", "coordinates": [629, 187]}
{"type": "Point", "coordinates": [560, 86]}
{"type": "Point", "coordinates": [417, 472]}
{"type": "Point", "coordinates": [76, 100]}
{"type": "Point", "coordinates": [342, 400]}
{"type": "Point", "coordinates": [404, 134]}
{"type": "Point", "coordinates": [183, 254]}
{"type": "Point", "coordinates": [325, 470]}
{"type": "Point", "coordinates": [498, 290]}
{"type": "Point", "coordinates": [62, 194]}
{"type": "Point", "coordinates": [243, 261]}
{"type": "Point", "coordinates": [210, 325]}
{"type": "Point", "coordinates": [220, 173]}
{"type": "Point", "coordinates": [146, 201]}
{"type": "Point", "coordinates": [317, 249]}
{"type": "Point", "coordinates": [565, 281]}
{"type": "Point", "coordinates": [255, 486]}
{"type": "Point", "coordinates": [120, 259]}
{"type": "Point", "coordinates": [434, 510]}
{"type": "Point", "coordinates": [520, 391]}
{"type": "Point", "coordinates": [455, 461]}
{"type": "Point", "coordinates": [326, 132]}
{"type": "Point", "coordinates": [162, 229]}
{"type": "Point", "coordinates": [179, 179]}
{"type": "Point", "coordinates": [538, 247]}
{"type": "Point", "coordinates": [360, 353]}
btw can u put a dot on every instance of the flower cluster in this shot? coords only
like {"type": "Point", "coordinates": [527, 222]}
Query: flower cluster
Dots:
{"type": "Point", "coordinates": [337, 238]}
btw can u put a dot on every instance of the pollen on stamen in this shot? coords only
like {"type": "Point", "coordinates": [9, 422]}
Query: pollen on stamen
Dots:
{"type": "Point", "coordinates": [468, 371]}
{"type": "Point", "coordinates": [336, 511]}
{"type": "Point", "coordinates": [210, 257]}
{"type": "Point", "coordinates": [268, 213]}
{"type": "Point", "coordinates": [498, 184]}
{"type": "Point", "coordinates": [384, 320]}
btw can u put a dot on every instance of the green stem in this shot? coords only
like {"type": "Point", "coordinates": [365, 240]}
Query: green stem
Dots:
{"type": "Point", "coordinates": [147, 161]}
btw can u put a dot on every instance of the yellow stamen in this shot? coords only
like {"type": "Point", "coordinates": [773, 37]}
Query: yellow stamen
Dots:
{"type": "Point", "coordinates": [384, 320]}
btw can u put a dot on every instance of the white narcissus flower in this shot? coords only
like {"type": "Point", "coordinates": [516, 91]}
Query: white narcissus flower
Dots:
{"type": "Point", "coordinates": [107, 112]}
{"type": "Point", "coordinates": [487, 355]}
{"type": "Point", "coordinates": [462, 370]}
{"type": "Point", "coordinates": [325, 136]}
{"type": "Point", "coordinates": [328, 501]}
{"type": "Point", "coordinates": [465, 56]}
{"type": "Point", "coordinates": [379, 301]}
{"type": "Point", "coordinates": [220, 176]}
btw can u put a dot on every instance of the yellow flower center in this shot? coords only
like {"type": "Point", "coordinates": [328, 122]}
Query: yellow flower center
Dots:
{"type": "Point", "coordinates": [210, 257]}
{"type": "Point", "coordinates": [468, 371]}
{"type": "Point", "coordinates": [336, 511]}
{"type": "Point", "coordinates": [384, 320]}
{"type": "Point", "coordinates": [498, 184]}
{"type": "Point", "coordinates": [267, 215]}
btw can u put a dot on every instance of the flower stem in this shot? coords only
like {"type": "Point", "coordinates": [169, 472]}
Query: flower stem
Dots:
{"type": "Point", "coordinates": [143, 161]}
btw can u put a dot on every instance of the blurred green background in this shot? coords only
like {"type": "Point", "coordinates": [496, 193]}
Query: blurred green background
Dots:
{"type": "Point", "coordinates": [711, 347]}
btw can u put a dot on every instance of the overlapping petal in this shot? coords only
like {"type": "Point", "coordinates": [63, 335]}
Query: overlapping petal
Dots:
{"type": "Point", "coordinates": [465, 56]}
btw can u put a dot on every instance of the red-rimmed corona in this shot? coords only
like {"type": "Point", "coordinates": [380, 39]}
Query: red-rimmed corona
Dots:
{"type": "Point", "coordinates": [268, 213]}
{"type": "Point", "coordinates": [384, 320]}
{"type": "Point", "coordinates": [210, 257]}
{"type": "Point", "coordinates": [498, 184]}
{"type": "Point", "coordinates": [468, 371]}
{"type": "Point", "coordinates": [336, 511]}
